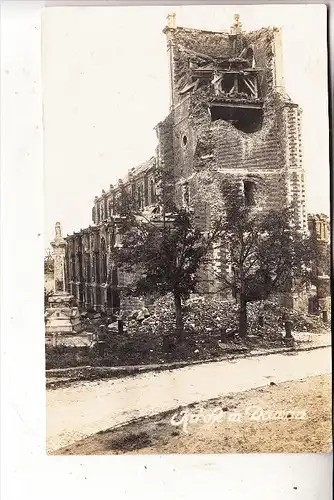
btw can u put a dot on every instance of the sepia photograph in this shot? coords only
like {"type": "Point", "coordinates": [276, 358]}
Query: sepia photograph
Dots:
{"type": "Point", "coordinates": [187, 272]}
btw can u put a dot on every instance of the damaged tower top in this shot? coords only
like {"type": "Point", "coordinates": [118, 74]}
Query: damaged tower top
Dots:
{"type": "Point", "coordinates": [230, 114]}
{"type": "Point", "coordinates": [231, 65]}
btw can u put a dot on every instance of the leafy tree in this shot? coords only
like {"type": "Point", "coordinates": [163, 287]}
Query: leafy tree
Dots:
{"type": "Point", "coordinates": [265, 252]}
{"type": "Point", "coordinates": [163, 254]}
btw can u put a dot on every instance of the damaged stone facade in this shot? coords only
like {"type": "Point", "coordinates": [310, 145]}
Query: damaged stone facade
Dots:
{"type": "Point", "coordinates": [229, 116]}
{"type": "Point", "coordinates": [92, 277]}
{"type": "Point", "coordinates": [319, 226]}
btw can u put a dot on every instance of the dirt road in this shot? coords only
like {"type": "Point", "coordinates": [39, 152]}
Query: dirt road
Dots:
{"type": "Point", "coordinates": [88, 407]}
{"type": "Point", "coordinates": [291, 417]}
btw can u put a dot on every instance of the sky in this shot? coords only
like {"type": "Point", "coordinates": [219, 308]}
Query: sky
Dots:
{"type": "Point", "coordinates": [106, 85]}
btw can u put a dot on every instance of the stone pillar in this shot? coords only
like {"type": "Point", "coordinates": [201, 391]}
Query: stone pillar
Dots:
{"type": "Point", "coordinates": [59, 247]}
{"type": "Point", "coordinates": [61, 317]}
{"type": "Point", "coordinates": [278, 73]}
{"type": "Point", "coordinates": [94, 302]}
{"type": "Point", "coordinates": [171, 26]}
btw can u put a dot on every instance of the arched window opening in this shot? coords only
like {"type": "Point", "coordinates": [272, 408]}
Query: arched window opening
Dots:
{"type": "Point", "coordinates": [73, 267]}
{"type": "Point", "coordinates": [98, 296]}
{"type": "Point", "coordinates": [81, 294]}
{"type": "Point", "coordinates": [140, 197]}
{"type": "Point", "coordinates": [87, 267]}
{"type": "Point", "coordinates": [80, 265]}
{"type": "Point", "coordinates": [94, 215]}
{"type": "Point", "coordinates": [114, 276]}
{"type": "Point", "coordinates": [103, 261]}
{"type": "Point", "coordinates": [89, 297]}
{"type": "Point", "coordinates": [109, 298]}
{"type": "Point", "coordinates": [97, 268]}
{"type": "Point", "coordinates": [101, 212]}
{"type": "Point", "coordinates": [93, 268]}
{"type": "Point", "coordinates": [133, 191]}
{"type": "Point", "coordinates": [185, 195]}
{"type": "Point", "coordinates": [152, 191]}
{"type": "Point", "coordinates": [250, 193]}
{"type": "Point", "coordinates": [110, 208]}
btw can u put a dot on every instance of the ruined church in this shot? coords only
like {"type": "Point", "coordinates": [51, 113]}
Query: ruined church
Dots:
{"type": "Point", "coordinates": [230, 113]}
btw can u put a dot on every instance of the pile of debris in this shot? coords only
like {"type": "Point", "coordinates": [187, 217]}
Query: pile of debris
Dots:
{"type": "Point", "coordinates": [148, 334]}
{"type": "Point", "coordinates": [274, 316]}
{"type": "Point", "coordinates": [219, 317]}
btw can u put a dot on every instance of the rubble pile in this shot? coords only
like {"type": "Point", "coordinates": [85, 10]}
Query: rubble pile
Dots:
{"type": "Point", "coordinates": [217, 316]}
{"type": "Point", "coordinates": [148, 335]}
{"type": "Point", "coordinates": [275, 315]}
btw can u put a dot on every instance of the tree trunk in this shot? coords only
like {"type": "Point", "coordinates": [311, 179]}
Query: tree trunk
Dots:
{"type": "Point", "coordinates": [179, 317]}
{"type": "Point", "coordinates": [242, 316]}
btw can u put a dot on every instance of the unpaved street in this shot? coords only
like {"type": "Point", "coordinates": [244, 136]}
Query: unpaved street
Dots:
{"type": "Point", "coordinates": [291, 417]}
{"type": "Point", "coordinates": [88, 407]}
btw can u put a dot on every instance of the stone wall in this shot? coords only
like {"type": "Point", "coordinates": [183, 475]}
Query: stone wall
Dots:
{"type": "Point", "coordinates": [139, 181]}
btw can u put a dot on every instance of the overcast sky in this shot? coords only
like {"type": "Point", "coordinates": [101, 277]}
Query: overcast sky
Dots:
{"type": "Point", "coordinates": [105, 86]}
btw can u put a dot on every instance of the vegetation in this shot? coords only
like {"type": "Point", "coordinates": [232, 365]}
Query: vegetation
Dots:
{"type": "Point", "coordinates": [265, 252]}
{"type": "Point", "coordinates": [164, 256]}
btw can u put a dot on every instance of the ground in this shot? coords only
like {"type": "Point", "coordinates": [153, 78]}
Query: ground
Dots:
{"type": "Point", "coordinates": [87, 407]}
{"type": "Point", "coordinates": [244, 423]}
